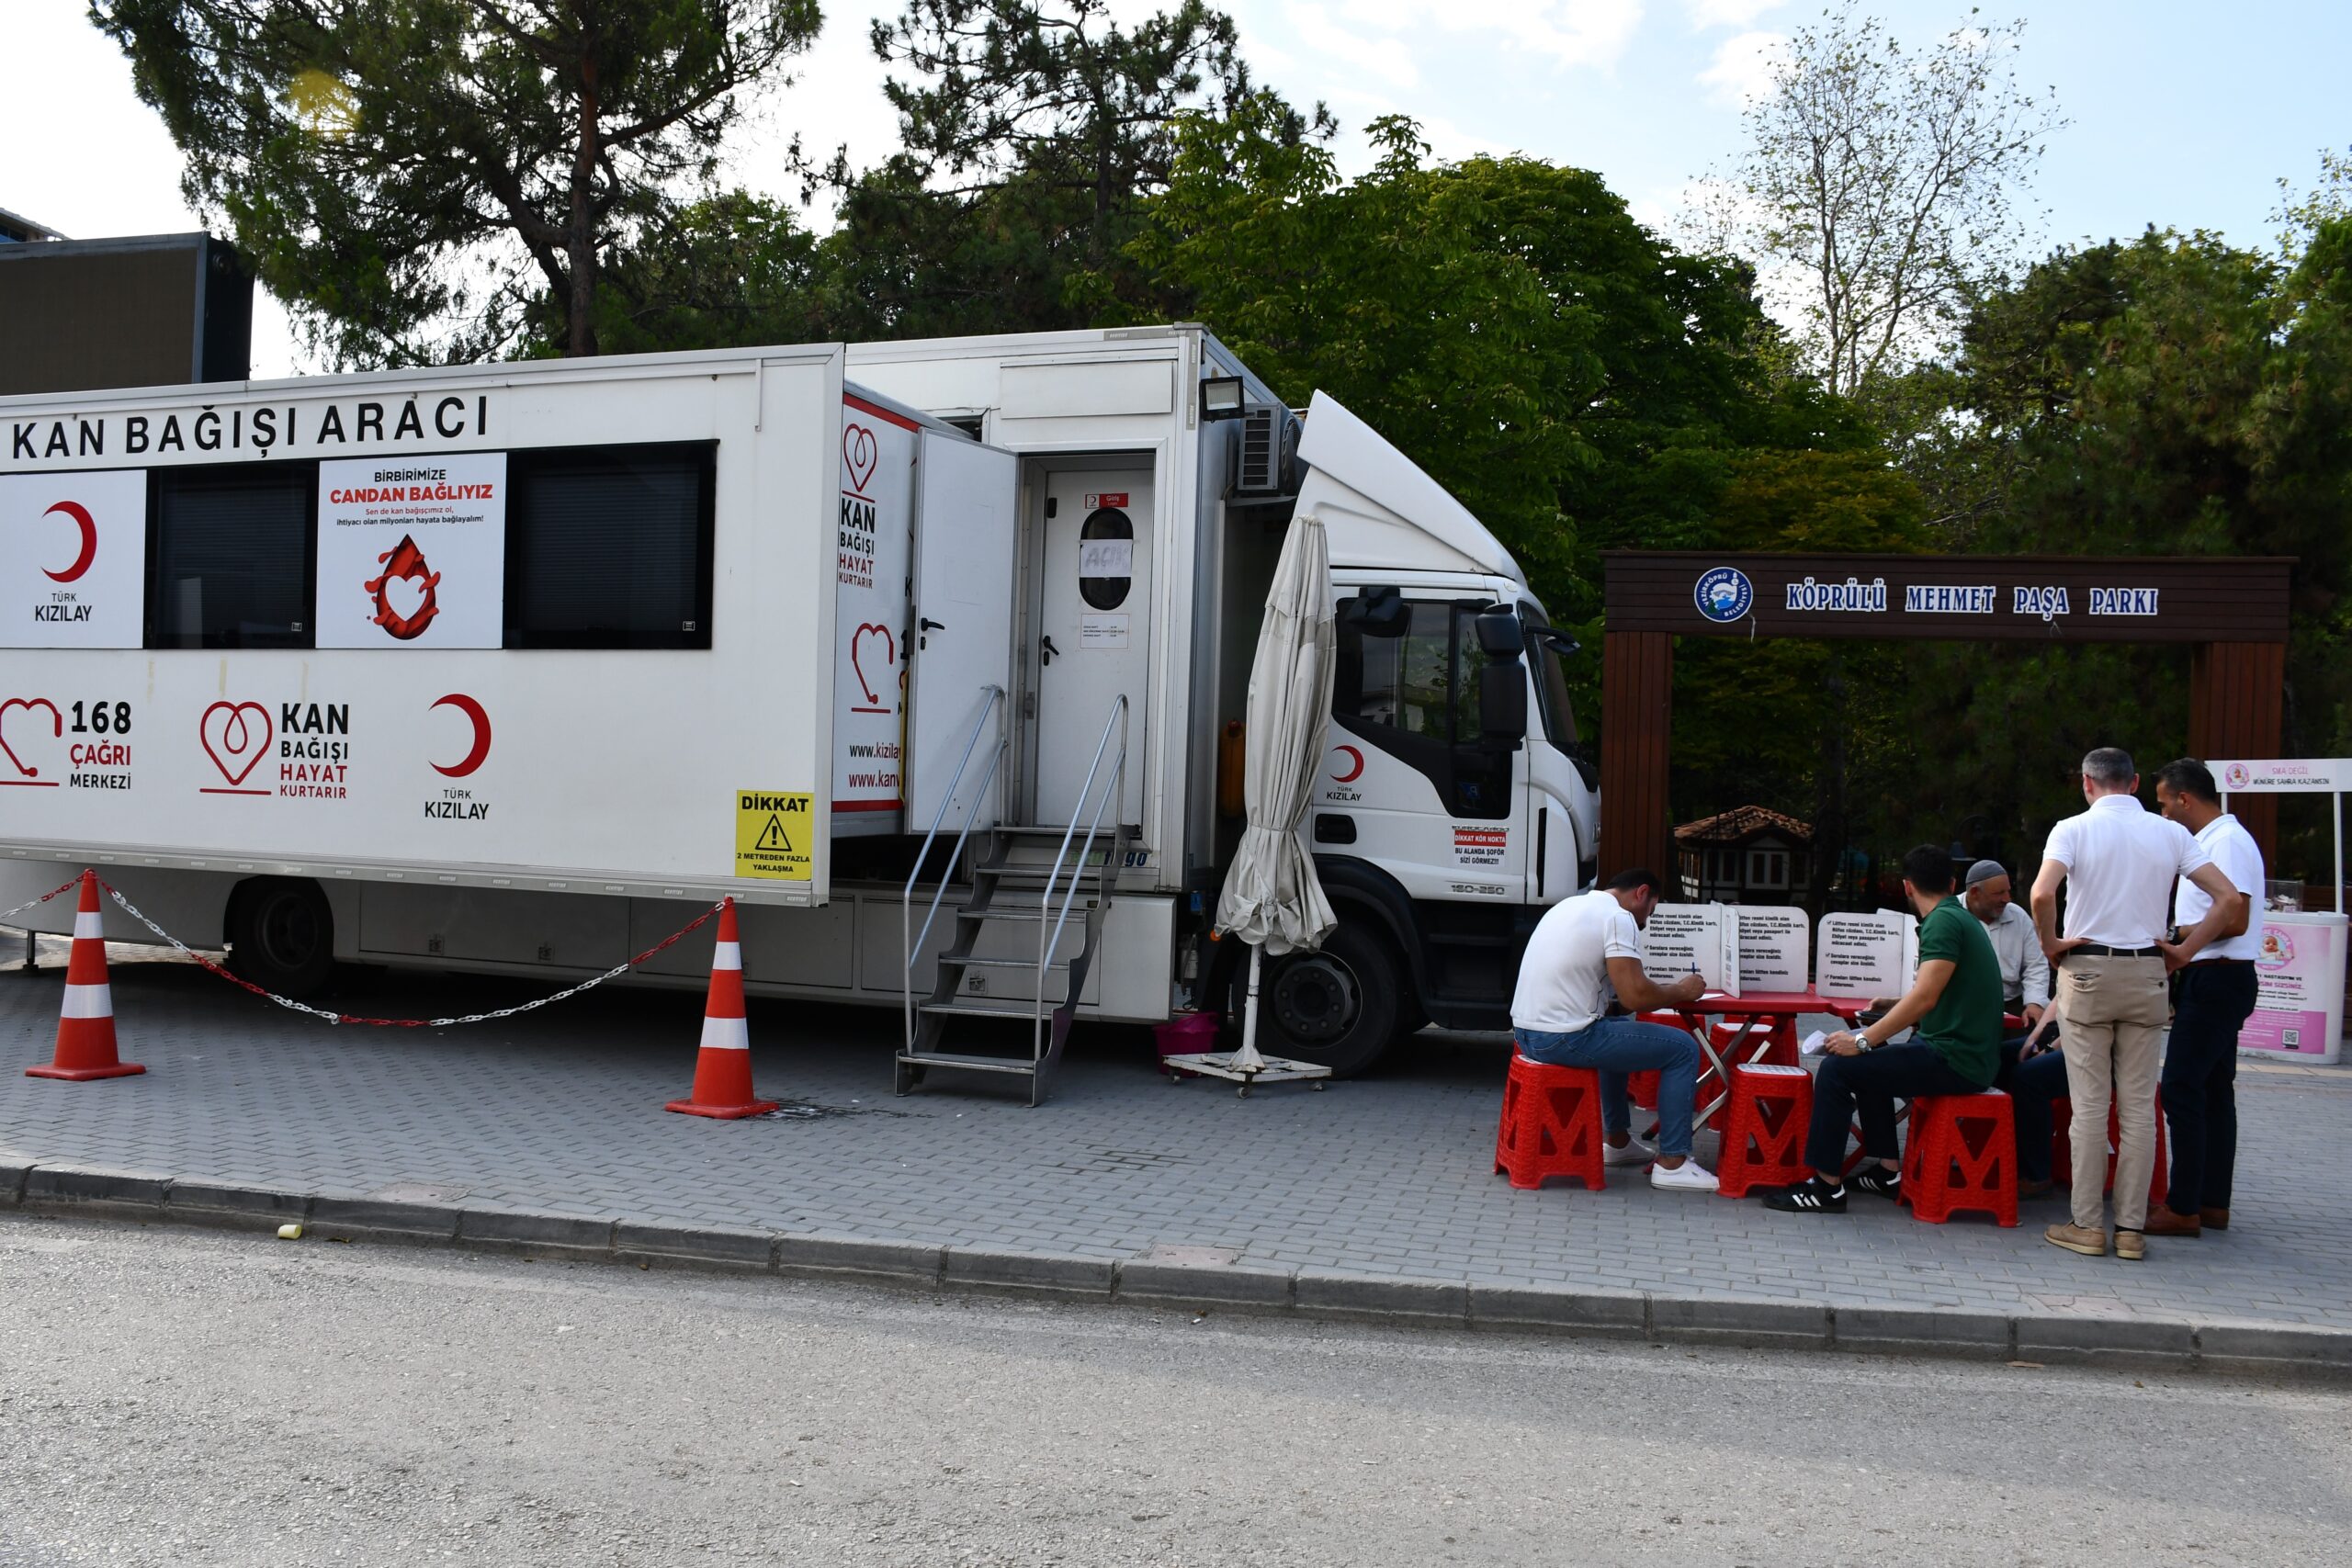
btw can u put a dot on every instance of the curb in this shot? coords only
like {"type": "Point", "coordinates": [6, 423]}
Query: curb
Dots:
{"type": "Point", "coordinates": [88, 1192]}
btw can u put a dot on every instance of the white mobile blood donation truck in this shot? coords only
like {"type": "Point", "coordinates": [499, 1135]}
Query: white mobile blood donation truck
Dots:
{"type": "Point", "coordinates": [512, 668]}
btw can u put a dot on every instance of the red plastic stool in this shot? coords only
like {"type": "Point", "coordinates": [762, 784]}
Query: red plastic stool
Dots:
{"type": "Point", "coordinates": [1551, 1124]}
{"type": "Point", "coordinates": [1962, 1156]}
{"type": "Point", "coordinates": [2062, 1148]}
{"type": "Point", "coordinates": [1764, 1129]}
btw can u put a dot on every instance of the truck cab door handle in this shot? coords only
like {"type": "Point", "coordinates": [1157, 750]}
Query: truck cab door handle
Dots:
{"type": "Point", "coordinates": [1047, 650]}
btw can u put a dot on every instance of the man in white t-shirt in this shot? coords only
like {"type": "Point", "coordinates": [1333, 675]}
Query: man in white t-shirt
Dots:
{"type": "Point", "coordinates": [2212, 996]}
{"type": "Point", "coordinates": [2117, 862]}
{"type": "Point", "coordinates": [1584, 952]}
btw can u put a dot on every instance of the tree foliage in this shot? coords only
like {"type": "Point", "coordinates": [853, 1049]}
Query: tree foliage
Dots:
{"type": "Point", "coordinates": [421, 176]}
{"type": "Point", "coordinates": [1881, 188]}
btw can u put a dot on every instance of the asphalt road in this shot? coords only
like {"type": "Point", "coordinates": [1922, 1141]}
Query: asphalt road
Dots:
{"type": "Point", "coordinates": [174, 1397]}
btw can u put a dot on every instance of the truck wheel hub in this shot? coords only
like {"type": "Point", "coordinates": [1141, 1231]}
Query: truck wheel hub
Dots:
{"type": "Point", "coordinates": [1314, 999]}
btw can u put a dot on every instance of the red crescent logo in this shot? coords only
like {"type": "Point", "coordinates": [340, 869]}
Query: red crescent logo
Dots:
{"type": "Point", "coordinates": [1354, 772]}
{"type": "Point", "coordinates": [473, 759]}
{"type": "Point", "coordinates": [80, 515]}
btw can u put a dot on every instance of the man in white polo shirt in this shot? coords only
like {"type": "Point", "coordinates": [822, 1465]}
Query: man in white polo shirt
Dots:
{"type": "Point", "coordinates": [2211, 994]}
{"type": "Point", "coordinates": [1582, 951]}
{"type": "Point", "coordinates": [2118, 861]}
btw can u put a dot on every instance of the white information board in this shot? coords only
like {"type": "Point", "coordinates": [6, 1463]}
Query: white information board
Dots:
{"type": "Point", "coordinates": [1775, 947]}
{"type": "Point", "coordinates": [1866, 956]}
{"type": "Point", "coordinates": [1692, 938]}
{"type": "Point", "coordinates": [74, 559]}
{"type": "Point", "coordinates": [412, 552]}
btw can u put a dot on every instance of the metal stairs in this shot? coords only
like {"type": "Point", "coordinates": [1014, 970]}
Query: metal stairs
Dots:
{"type": "Point", "coordinates": [1026, 879]}
{"type": "Point", "coordinates": [984, 973]}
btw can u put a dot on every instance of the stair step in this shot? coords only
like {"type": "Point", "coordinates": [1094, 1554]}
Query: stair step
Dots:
{"type": "Point", "coordinates": [1027, 964]}
{"type": "Point", "coordinates": [959, 1008]}
{"type": "Point", "coordinates": [1024, 912]}
{"type": "Point", "coordinates": [1056, 829]}
{"type": "Point", "coordinates": [973, 1063]}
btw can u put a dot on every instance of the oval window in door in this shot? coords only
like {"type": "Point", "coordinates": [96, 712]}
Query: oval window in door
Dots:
{"type": "Point", "coordinates": [1106, 558]}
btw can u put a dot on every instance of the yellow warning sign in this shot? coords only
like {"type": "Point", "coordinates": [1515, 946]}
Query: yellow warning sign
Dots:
{"type": "Point", "coordinates": [772, 833]}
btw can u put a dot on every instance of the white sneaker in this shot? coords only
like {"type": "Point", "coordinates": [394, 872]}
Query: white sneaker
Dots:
{"type": "Point", "coordinates": [1688, 1177]}
{"type": "Point", "coordinates": [1636, 1152]}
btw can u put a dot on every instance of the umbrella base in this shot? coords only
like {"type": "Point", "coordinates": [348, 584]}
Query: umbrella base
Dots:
{"type": "Point", "coordinates": [1231, 1065]}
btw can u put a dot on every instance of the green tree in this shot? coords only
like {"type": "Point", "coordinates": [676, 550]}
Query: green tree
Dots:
{"type": "Point", "coordinates": [1881, 187]}
{"type": "Point", "coordinates": [2172, 395]}
{"type": "Point", "coordinates": [420, 176]}
{"type": "Point", "coordinates": [1031, 134]}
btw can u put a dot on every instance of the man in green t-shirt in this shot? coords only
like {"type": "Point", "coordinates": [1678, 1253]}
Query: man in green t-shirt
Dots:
{"type": "Point", "coordinates": [1955, 999]}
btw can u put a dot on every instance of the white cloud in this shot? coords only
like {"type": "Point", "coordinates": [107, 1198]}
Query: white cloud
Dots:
{"type": "Point", "coordinates": [1742, 71]}
{"type": "Point", "coordinates": [1705, 14]}
{"type": "Point", "coordinates": [1386, 58]}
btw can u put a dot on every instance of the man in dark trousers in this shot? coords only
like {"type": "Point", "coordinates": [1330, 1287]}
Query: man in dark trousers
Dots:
{"type": "Point", "coordinates": [1955, 999]}
{"type": "Point", "coordinates": [2119, 864]}
{"type": "Point", "coordinates": [2211, 994]}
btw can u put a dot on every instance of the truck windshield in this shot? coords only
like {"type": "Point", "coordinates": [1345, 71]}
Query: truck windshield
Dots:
{"type": "Point", "coordinates": [1558, 714]}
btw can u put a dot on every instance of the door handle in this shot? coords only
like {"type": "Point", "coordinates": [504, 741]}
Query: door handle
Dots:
{"type": "Point", "coordinates": [1047, 650]}
{"type": "Point", "coordinates": [931, 626]}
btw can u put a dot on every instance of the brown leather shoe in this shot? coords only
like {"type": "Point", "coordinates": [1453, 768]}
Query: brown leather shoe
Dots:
{"type": "Point", "coordinates": [2163, 1221]}
{"type": "Point", "coordinates": [2034, 1189]}
{"type": "Point", "coordinates": [2130, 1246]}
{"type": "Point", "coordinates": [2215, 1219]}
{"type": "Point", "coordinates": [2077, 1238]}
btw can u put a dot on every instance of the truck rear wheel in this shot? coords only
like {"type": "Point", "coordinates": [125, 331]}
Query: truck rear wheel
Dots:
{"type": "Point", "coordinates": [1337, 1007]}
{"type": "Point", "coordinates": [281, 935]}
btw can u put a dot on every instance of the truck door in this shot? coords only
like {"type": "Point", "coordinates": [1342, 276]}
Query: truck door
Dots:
{"type": "Point", "coordinates": [1407, 784]}
{"type": "Point", "coordinates": [1094, 640]}
{"type": "Point", "coordinates": [965, 547]}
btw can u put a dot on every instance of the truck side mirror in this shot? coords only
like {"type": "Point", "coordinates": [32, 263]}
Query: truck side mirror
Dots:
{"type": "Point", "coordinates": [1502, 686]}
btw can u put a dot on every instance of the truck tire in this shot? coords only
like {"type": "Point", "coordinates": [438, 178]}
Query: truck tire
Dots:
{"type": "Point", "coordinates": [1337, 1007]}
{"type": "Point", "coordinates": [281, 935]}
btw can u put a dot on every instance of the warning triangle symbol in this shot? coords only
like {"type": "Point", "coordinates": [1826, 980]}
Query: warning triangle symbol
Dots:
{"type": "Point", "coordinates": [772, 837]}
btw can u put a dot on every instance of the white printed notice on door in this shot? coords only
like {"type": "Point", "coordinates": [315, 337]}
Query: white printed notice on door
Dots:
{"type": "Point", "coordinates": [413, 553]}
{"type": "Point", "coordinates": [1860, 956]}
{"type": "Point", "coordinates": [1103, 631]}
{"type": "Point", "coordinates": [1775, 947]}
{"type": "Point", "coordinates": [1687, 939]}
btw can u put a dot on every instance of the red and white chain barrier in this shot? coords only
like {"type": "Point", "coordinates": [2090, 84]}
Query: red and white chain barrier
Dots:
{"type": "Point", "coordinates": [195, 957]}
{"type": "Point", "coordinates": [70, 883]}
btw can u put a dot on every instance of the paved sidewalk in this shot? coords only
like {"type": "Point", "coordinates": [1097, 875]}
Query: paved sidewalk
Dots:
{"type": "Point", "coordinates": [1387, 1178]}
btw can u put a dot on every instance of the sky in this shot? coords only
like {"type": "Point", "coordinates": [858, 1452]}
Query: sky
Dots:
{"type": "Point", "coordinates": [2183, 114]}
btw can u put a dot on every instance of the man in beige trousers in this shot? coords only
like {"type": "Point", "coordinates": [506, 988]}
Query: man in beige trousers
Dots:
{"type": "Point", "coordinates": [2118, 861]}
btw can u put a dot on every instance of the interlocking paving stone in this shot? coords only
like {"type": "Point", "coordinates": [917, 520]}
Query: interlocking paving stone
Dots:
{"type": "Point", "coordinates": [559, 1112]}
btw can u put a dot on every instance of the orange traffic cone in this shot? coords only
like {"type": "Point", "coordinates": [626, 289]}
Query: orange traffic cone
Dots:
{"type": "Point", "coordinates": [723, 1070]}
{"type": "Point", "coordinates": [86, 1029]}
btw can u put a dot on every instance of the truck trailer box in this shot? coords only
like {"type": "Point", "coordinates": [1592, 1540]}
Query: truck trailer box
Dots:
{"type": "Point", "coordinates": [625, 628]}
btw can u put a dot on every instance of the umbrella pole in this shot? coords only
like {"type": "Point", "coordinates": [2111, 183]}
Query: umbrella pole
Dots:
{"type": "Point", "coordinates": [1247, 1059]}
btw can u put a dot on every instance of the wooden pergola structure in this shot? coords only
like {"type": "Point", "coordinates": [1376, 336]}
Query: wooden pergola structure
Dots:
{"type": "Point", "coordinates": [2232, 611]}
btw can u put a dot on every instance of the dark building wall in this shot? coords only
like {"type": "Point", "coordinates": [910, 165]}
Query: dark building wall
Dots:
{"type": "Point", "coordinates": [160, 310]}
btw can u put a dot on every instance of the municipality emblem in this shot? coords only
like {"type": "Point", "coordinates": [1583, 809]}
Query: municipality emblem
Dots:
{"type": "Point", "coordinates": [1724, 594]}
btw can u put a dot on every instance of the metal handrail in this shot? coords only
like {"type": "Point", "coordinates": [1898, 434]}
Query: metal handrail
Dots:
{"type": "Point", "coordinates": [913, 943]}
{"type": "Point", "coordinates": [1047, 944]}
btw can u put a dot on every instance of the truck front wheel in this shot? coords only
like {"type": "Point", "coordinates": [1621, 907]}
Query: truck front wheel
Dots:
{"type": "Point", "coordinates": [1337, 1007]}
{"type": "Point", "coordinates": [281, 935]}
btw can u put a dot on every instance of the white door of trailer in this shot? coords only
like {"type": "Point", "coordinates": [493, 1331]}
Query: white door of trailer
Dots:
{"type": "Point", "coordinates": [1093, 642]}
{"type": "Point", "coordinates": [966, 549]}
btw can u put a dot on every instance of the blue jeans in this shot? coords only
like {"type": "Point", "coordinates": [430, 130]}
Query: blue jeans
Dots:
{"type": "Point", "coordinates": [1617, 1046]}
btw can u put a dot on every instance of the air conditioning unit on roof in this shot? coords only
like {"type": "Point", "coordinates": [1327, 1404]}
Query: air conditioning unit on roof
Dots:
{"type": "Point", "coordinates": [1265, 459]}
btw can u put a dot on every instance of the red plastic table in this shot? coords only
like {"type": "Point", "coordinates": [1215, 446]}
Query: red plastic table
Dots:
{"type": "Point", "coordinates": [1754, 1015]}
